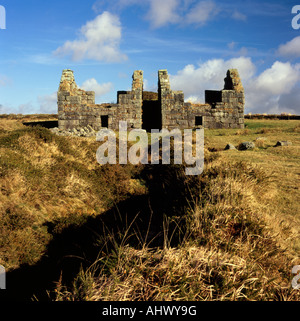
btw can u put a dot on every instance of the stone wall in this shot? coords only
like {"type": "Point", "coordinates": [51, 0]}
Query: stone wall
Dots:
{"type": "Point", "coordinates": [227, 111]}
{"type": "Point", "coordinates": [77, 108]}
{"type": "Point", "coordinates": [174, 113]}
{"type": "Point", "coordinates": [130, 103]}
{"type": "Point", "coordinates": [164, 109]}
{"type": "Point", "coordinates": [222, 109]}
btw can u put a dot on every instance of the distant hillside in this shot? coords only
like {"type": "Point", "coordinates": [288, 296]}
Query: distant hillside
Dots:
{"type": "Point", "coordinates": [270, 116]}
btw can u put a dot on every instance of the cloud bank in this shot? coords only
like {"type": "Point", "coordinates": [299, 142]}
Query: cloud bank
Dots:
{"type": "Point", "coordinates": [99, 40]}
{"type": "Point", "coordinates": [274, 90]}
{"type": "Point", "coordinates": [291, 48]}
{"type": "Point", "coordinates": [161, 13]}
{"type": "Point", "coordinates": [166, 12]}
{"type": "Point", "coordinates": [99, 89]}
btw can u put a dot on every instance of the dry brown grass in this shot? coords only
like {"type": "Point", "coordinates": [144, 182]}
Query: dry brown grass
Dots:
{"type": "Point", "coordinates": [44, 178]}
{"type": "Point", "coordinates": [245, 131]}
{"type": "Point", "coordinates": [297, 129]}
{"type": "Point", "coordinates": [237, 234]}
{"type": "Point", "coordinates": [261, 142]}
{"type": "Point", "coordinates": [234, 249]}
{"type": "Point", "coordinates": [266, 130]}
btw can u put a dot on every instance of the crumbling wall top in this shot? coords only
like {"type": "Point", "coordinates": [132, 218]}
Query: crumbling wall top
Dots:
{"type": "Point", "coordinates": [233, 81]}
{"type": "Point", "coordinates": [137, 80]}
{"type": "Point", "coordinates": [163, 79]}
{"type": "Point", "coordinates": [67, 81]}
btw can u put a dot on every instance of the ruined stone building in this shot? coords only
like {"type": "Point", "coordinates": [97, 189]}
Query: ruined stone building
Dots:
{"type": "Point", "coordinates": [151, 110]}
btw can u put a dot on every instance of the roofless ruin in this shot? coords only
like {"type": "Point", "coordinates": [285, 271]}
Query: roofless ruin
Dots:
{"type": "Point", "coordinates": [151, 110]}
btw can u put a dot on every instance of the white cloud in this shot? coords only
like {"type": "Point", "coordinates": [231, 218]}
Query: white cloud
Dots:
{"type": "Point", "coordinates": [209, 75]}
{"type": "Point", "coordinates": [99, 89]}
{"type": "Point", "coordinates": [163, 12]}
{"type": "Point", "coordinates": [48, 103]}
{"type": "Point", "coordinates": [193, 99]}
{"type": "Point", "coordinates": [268, 92]}
{"type": "Point", "coordinates": [279, 79]}
{"type": "Point", "coordinates": [201, 12]}
{"type": "Point", "coordinates": [146, 85]}
{"type": "Point", "coordinates": [274, 90]}
{"type": "Point", "coordinates": [99, 40]}
{"type": "Point", "coordinates": [290, 103]}
{"type": "Point", "coordinates": [291, 48]}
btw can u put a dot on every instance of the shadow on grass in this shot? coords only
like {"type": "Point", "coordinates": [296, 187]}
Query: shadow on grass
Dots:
{"type": "Point", "coordinates": [46, 123]}
{"type": "Point", "coordinates": [141, 218]}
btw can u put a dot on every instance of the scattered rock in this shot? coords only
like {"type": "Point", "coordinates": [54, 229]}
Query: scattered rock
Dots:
{"type": "Point", "coordinates": [283, 143]}
{"type": "Point", "coordinates": [80, 132]}
{"type": "Point", "coordinates": [229, 146]}
{"type": "Point", "coordinates": [54, 130]}
{"type": "Point", "coordinates": [246, 146]}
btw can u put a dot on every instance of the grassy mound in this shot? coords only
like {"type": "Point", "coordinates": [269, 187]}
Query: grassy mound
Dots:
{"type": "Point", "coordinates": [229, 247]}
{"type": "Point", "coordinates": [45, 178]}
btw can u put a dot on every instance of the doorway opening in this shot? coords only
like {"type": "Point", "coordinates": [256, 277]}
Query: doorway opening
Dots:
{"type": "Point", "coordinates": [151, 117]}
{"type": "Point", "coordinates": [104, 121]}
{"type": "Point", "coordinates": [198, 121]}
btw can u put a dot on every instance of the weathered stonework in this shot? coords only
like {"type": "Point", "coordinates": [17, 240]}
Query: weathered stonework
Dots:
{"type": "Point", "coordinates": [149, 110]}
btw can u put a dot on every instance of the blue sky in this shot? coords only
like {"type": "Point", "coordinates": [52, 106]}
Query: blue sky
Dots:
{"type": "Point", "coordinates": [105, 41]}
